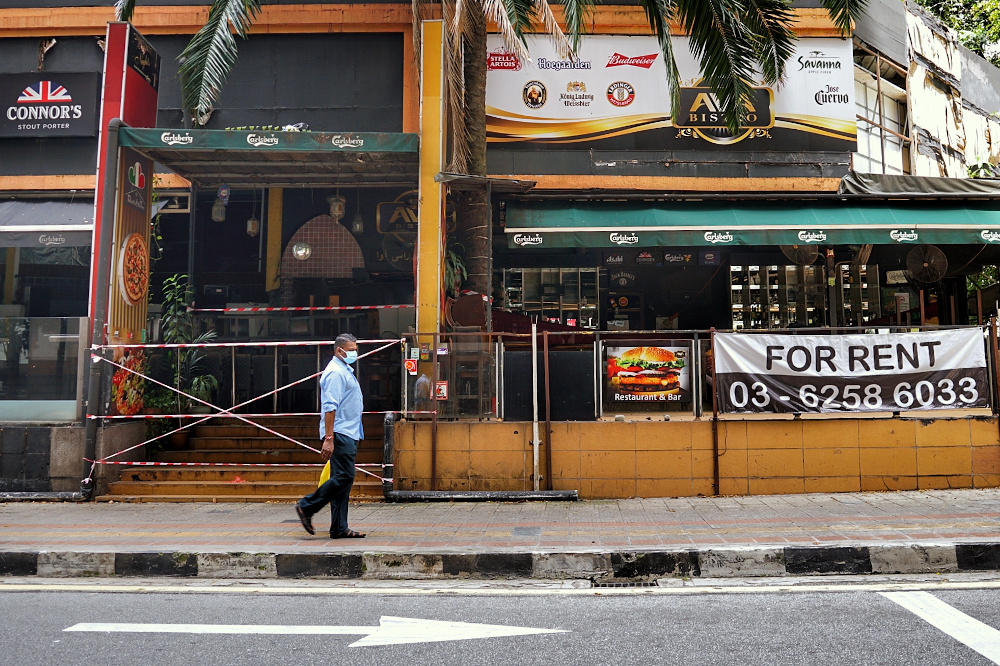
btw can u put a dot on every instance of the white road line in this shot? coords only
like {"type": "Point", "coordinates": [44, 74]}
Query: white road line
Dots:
{"type": "Point", "coordinates": [127, 627]}
{"type": "Point", "coordinates": [981, 637]}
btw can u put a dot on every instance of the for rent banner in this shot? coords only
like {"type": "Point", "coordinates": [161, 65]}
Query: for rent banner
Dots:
{"type": "Point", "coordinates": [851, 373]}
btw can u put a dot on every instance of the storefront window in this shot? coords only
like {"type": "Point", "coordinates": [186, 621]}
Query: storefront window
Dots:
{"type": "Point", "coordinates": [883, 125]}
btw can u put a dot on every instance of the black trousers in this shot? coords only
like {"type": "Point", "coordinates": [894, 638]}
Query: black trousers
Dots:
{"type": "Point", "coordinates": [337, 490]}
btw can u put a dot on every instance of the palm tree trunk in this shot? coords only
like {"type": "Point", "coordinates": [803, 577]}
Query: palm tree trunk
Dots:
{"type": "Point", "coordinates": [477, 260]}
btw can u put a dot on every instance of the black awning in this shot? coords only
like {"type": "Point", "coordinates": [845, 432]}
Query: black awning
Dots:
{"type": "Point", "coordinates": [46, 223]}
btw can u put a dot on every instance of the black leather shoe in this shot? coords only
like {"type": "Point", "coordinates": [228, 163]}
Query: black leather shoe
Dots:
{"type": "Point", "coordinates": [307, 522]}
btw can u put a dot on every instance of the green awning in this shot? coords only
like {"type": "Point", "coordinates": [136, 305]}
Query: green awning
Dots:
{"type": "Point", "coordinates": [666, 224]}
{"type": "Point", "coordinates": [289, 159]}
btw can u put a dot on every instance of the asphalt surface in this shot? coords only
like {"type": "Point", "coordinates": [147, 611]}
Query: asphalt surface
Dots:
{"type": "Point", "coordinates": [845, 625]}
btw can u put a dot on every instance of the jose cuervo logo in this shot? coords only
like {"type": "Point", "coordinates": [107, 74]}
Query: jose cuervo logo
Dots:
{"type": "Point", "coordinates": [903, 236]}
{"type": "Point", "coordinates": [812, 236]}
{"type": "Point", "coordinates": [718, 237]}
{"type": "Point", "coordinates": [258, 140]}
{"type": "Point", "coordinates": [527, 239]}
{"type": "Point", "coordinates": [172, 139]}
{"type": "Point", "coordinates": [624, 239]}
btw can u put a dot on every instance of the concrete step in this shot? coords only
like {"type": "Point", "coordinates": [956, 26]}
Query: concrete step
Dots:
{"type": "Point", "coordinates": [199, 441]}
{"type": "Point", "coordinates": [297, 473]}
{"type": "Point", "coordinates": [223, 498]}
{"type": "Point", "coordinates": [223, 488]}
{"type": "Point", "coordinates": [257, 456]}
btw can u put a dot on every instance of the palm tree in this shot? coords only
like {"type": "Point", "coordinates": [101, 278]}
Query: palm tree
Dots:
{"type": "Point", "coordinates": [731, 39]}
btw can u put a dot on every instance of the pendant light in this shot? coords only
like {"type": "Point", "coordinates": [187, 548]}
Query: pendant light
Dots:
{"type": "Point", "coordinates": [358, 223]}
{"type": "Point", "coordinates": [253, 224]}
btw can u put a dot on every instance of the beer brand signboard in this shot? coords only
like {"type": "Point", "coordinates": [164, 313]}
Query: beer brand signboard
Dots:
{"type": "Point", "coordinates": [617, 90]}
{"type": "Point", "coordinates": [851, 373]}
{"type": "Point", "coordinates": [41, 104]}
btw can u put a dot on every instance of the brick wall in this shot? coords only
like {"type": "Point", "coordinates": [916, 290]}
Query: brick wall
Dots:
{"type": "Point", "coordinates": [334, 251]}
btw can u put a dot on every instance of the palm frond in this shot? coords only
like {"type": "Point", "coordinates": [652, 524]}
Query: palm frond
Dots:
{"type": "Point", "coordinates": [455, 81]}
{"type": "Point", "coordinates": [549, 24]}
{"type": "Point", "coordinates": [576, 14]}
{"type": "Point", "coordinates": [124, 10]}
{"type": "Point", "coordinates": [496, 11]}
{"type": "Point", "coordinates": [845, 13]}
{"type": "Point", "coordinates": [660, 13]}
{"type": "Point", "coordinates": [209, 57]}
{"type": "Point", "coordinates": [724, 48]}
{"type": "Point", "coordinates": [769, 22]}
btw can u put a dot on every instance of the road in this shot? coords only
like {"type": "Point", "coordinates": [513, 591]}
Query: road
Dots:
{"type": "Point", "coordinates": [748, 622]}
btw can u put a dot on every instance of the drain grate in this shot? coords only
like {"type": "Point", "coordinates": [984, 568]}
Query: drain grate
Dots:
{"type": "Point", "coordinates": [644, 583]}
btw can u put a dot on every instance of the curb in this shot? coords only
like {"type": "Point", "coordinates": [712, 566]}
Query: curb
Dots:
{"type": "Point", "coordinates": [623, 566]}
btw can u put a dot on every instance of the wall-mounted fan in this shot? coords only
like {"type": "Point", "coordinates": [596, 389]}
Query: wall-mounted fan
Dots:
{"type": "Point", "coordinates": [802, 255]}
{"type": "Point", "coordinates": [926, 263]}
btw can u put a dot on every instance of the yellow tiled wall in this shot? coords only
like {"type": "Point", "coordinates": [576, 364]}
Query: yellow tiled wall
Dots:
{"type": "Point", "coordinates": [671, 459]}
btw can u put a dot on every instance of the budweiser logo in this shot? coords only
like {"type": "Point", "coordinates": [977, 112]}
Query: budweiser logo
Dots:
{"type": "Point", "coordinates": [812, 236]}
{"type": "Point", "coordinates": [903, 236]}
{"type": "Point", "coordinates": [624, 239]}
{"type": "Point", "coordinates": [645, 61]}
{"type": "Point", "coordinates": [527, 239]}
{"type": "Point", "coordinates": [341, 141]}
{"type": "Point", "coordinates": [258, 140]}
{"type": "Point", "coordinates": [716, 237]}
{"type": "Point", "coordinates": [990, 236]}
{"type": "Point", "coordinates": [172, 139]}
{"type": "Point", "coordinates": [503, 60]}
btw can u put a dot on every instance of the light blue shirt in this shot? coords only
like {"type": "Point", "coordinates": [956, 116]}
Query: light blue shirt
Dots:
{"type": "Point", "coordinates": [341, 393]}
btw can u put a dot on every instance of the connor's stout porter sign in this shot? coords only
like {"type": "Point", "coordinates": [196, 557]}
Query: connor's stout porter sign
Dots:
{"type": "Point", "coordinates": [851, 373]}
{"type": "Point", "coordinates": [48, 104]}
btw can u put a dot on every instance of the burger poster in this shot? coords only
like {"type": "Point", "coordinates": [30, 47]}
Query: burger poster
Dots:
{"type": "Point", "coordinates": [647, 378]}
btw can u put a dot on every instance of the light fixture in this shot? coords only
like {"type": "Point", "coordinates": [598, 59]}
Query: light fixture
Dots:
{"type": "Point", "coordinates": [218, 211]}
{"type": "Point", "coordinates": [302, 250]}
{"type": "Point", "coordinates": [337, 206]}
{"type": "Point", "coordinates": [253, 224]}
{"type": "Point", "coordinates": [358, 223]}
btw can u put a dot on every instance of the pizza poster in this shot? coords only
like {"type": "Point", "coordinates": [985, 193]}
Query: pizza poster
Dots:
{"type": "Point", "coordinates": [614, 95]}
{"type": "Point", "coordinates": [130, 260]}
{"type": "Point", "coordinates": [647, 378]}
{"type": "Point", "coordinates": [772, 373]}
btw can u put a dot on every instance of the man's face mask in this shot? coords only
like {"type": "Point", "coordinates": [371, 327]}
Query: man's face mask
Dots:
{"type": "Point", "coordinates": [351, 356]}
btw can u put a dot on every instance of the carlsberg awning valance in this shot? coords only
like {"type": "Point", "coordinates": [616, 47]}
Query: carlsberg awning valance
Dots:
{"type": "Point", "coordinates": [656, 224]}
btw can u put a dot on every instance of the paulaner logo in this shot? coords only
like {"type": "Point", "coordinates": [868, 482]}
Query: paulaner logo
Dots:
{"type": "Point", "coordinates": [527, 239]}
{"type": "Point", "coordinates": [341, 141]}
{"type": "Point", "coordinates": [990, 236]}
{"type": "Point", "coordinates": [717, 237]}
{"type": "Point", "coordinates": [258, 140]}
{"type": "Point", "coordinates": [46, 239]}
{"type": "Point", "coordinates": [624, 239]}
{"type": "Point", "coordinates": [903, 236]}
{"type": "Point", "coordinates": [176, 139]}
{"type": "Point", "coordinates": [812, 236]}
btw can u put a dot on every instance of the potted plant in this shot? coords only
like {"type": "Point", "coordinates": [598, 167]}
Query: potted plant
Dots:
{"type": "Point", "coordinates": [187, 364]}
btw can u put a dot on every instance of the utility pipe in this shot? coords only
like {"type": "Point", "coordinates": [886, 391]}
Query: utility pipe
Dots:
{"type": "Point", "coordinates": [548, 413]}
{"type": "Point", "coordinates": [534, 403]}
{"type": "Point", "coordinates": [715, 418]}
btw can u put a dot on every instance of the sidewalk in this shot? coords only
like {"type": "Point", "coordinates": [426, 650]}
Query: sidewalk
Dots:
{"type": "Point", "coordinates": [639, 539]}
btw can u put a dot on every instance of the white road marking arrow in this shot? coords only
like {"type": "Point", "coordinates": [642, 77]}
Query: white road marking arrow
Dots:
{"type": "Point", "coordinates": [391, 630]}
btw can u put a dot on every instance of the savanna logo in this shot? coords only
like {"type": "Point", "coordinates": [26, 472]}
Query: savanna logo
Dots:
{"type": "Point", "coordinates": [624, 239]}
{"type": "Point", "coordinates": [714, 237]}
{"type": "Point", "coordinates": [503, 60]}
{"type": "Point", "coordinates": [812, 236]}
{"type": "Point", "coordinates": [621, 93]}
{"type": "Point", "coordinates": [172, 139]}
{"type": "Point", "coordinates": [534, 94]}
{"type": "Point", "coordinates": [136, 195]}
{"type": "Point", "coordinates": [257, 140]}
{"type": "Point", "coordinates": [527, 239]}
{"type": "Point", "coordinates": [50, 240]}
{"type": "Point", "coordinates": [903, 236]}
{"type": "Point", "coordinates": [645, 61]}
{"type": "Point", "coordinates": [817, 61]}
{"type": "Point", "coordinates": [347, 141]}
{"type": "Point", "coordinates": [990, 236]}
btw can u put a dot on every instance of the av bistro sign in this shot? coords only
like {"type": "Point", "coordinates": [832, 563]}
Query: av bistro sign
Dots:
{"type": "Point", "coordinates": [44, 104]}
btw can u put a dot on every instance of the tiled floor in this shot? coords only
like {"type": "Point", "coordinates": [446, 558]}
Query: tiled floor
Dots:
{"type": "Point", "coordinates": [643, 524]}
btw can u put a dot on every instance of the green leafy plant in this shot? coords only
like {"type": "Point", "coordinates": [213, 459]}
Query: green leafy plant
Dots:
{"type": "Point", "coordinates": [454, 273]}
{"type": "Point", "coordinates": [983, 170]}
{"type": "Point", "coordinates": [188, 363]}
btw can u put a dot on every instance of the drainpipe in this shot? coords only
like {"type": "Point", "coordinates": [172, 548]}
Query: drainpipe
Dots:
{"type": "Point", "coordinates": [534, 403]}
{"type": "Point", "coordinates": [103, 256]}
{"type": "Point", "coordinates": [715, 418]}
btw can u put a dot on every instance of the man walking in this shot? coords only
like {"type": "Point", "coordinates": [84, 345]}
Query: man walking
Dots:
{"type": "Point", "coordinates": [340, 430]}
